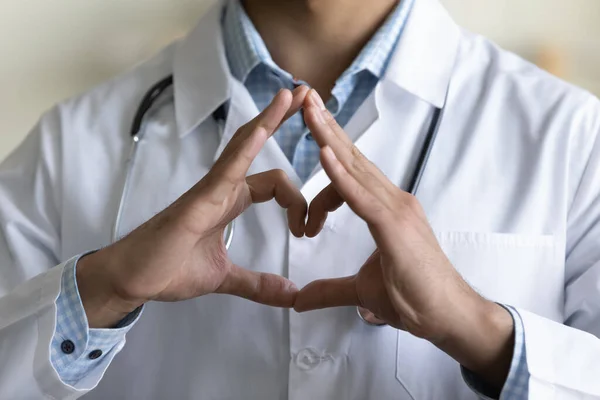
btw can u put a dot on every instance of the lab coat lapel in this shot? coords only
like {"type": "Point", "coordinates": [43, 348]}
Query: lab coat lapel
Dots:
{"type": "Point", "coordinates": [386, 131]}
{"type": "Point", "coordinates": [390, 126]}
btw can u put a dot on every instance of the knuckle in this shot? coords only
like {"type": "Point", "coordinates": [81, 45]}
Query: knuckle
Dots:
{"type": "Point", "coordinates": [357, 165]}
{"type": "Point", "coordinates": [279, 174]}
{"type": "Point", "coordinates": [263, 124]}
{"type": "Point", "coordinates": [411, 202]}
{"type": "Point", "coordinates": [355, 151]}
{"type": "Point", "coordinates": [360, 192]}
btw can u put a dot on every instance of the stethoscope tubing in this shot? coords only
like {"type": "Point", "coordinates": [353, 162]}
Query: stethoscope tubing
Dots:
{"type": "Point", "coordinates": [136, 133]}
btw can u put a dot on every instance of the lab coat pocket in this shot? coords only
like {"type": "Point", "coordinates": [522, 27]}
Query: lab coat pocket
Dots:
{"type": "Point", "coordinates": [524, 271]}
{"type": "Point", "coordinates": [516, 269]}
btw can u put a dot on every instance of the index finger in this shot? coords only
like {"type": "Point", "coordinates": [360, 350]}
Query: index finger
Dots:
{"type": "Point", "coordinates": [249, 139]}
{"type": "Point", "coordinates": [327, 132]}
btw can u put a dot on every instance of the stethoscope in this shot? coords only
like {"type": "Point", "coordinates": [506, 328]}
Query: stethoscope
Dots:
{"type": "Point", "coordinates": [137, 132]}
{"type": "Point", "coordinates": [159, 88]}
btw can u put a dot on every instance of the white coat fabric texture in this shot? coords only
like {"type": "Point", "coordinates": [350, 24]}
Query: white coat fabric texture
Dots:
{"type": "Point", "coordinates": [511, 189]}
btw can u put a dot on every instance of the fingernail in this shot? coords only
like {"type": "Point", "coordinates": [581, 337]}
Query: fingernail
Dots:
{"type": "Point", "coordinates": [291, 287]}
{"type": "Point", "coordinates": [317, 99]}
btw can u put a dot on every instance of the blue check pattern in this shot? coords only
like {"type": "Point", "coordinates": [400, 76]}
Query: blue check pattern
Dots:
{"type": "Point", "coordinates": [251, 63]}
{"type": "Point", "coordinates": [517, 381]}
{"type": "Point", "coordinates": [516, 386]}
{"type": "Point", "coordinates": [72, 325]}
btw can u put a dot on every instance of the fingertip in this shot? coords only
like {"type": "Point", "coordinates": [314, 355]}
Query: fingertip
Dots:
{"type": "Point", "coordinates": [299, 305]}
{"type": "Point", "coordinates": [315, 231]}
{"type": "Point", "coordinates": [285, 94]}
{"type": "Point", "coordinates": [315, 224]}
{"type": "Point", "coordinates": [297, 219]}
{"type": "Point", "coordinates": [298, 232]}
{"type": "Point", "coordinates": [298, 309]}
{"type": "Point", "coordinates": [313, 99]}
{"type": "Point", "coordinates": [301, 91]}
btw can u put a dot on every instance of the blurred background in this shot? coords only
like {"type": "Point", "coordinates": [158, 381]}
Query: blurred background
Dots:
{"type": "Point", "coordinates": [53, 49]}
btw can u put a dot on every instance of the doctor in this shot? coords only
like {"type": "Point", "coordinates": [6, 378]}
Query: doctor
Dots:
{"type": "Point", "coordinates": [495, 267]}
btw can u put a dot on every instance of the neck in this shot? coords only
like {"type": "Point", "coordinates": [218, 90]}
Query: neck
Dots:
{"type": "Point", "coordinates": [325, 35]}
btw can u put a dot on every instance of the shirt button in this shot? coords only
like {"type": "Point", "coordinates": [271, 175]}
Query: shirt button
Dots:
{"type": "Point", "coordinates": [308, 359]}
{"type": "Point", "coordinates": [309, 137]}
{"type": "Point", "coordinates": [67, 346]}
{"type": "Point", "coordinates": [95, 354]}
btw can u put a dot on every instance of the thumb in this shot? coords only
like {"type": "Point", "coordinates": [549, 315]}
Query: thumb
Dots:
{"type": "Point", "coordinates": [326, 293]}
{"type": "Point", "coordinates": [269, 289]}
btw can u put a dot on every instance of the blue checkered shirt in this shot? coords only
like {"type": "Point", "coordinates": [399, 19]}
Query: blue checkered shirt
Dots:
{"type": "Point", "coordinates": [251, 63]}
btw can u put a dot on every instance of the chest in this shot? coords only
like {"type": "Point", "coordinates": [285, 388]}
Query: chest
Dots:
{"type": "Point", "coordinates": [493, 200]}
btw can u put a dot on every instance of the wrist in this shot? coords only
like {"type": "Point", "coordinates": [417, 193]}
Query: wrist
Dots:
{"type": "Point", "coordinates": [103, 306]}
{"type": "Point", "coordinates": [480, 336]}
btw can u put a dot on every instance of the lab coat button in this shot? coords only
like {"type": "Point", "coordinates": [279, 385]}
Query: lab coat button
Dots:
{"type": "Point", "coordinates": [308, 359]}
{"type": "Point", "coordinates": [67, 346]}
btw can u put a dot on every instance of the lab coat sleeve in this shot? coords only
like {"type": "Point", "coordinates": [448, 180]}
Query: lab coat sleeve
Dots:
{"type": "Point", "coordinates": [563, 359]}
{"type": "Point", "coordinates": [30, 269]}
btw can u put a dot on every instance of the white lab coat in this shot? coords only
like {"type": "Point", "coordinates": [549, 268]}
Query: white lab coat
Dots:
{"type": "Point", "coordinates": [511, 189]}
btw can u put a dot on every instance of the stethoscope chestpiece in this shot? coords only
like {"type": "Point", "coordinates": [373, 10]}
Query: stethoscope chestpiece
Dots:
{"type": "Point", "coordinates": [228, 234]}
{"type": "Point", "coordinates": [367, 322]}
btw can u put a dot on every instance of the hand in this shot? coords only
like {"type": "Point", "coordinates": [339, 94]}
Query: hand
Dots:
{"type": "Point", "coordinates": [180, 254]}
{"type": "Point", "coordinates": [408, 282]}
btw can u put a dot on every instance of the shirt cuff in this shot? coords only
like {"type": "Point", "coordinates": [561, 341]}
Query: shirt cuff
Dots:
{"type": "Point", "coordinates": [516, 386]}
{"type": "Point", "coordinates": [76, 350]}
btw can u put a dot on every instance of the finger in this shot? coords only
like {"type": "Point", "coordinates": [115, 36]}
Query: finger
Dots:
{"type": "Point", "coordinates": [347, 153]}
{"type": "Point", "coordinates": [314, 100]}
{"type": "Point", "coordinates": [327, 293]}
{"type": "Point", "coordinates": [327, 132]}
{"type": "Point", "coordinates": [298, 97]}
{"type": "Point", "coordinates": [269, 289]}
{"type": "Point", "coordinates": [328, 200]}
{"type": "Point", "coordinates": [362, 202]}
{"type": "Point", "coordinates": [298, 100]}
{"type": "Point", "coordinates": [247, 142]}
{"type": "Point", "coordinates": [275, 184]}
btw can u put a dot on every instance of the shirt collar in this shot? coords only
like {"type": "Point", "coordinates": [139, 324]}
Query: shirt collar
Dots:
{"type": "Point", "coordinates": [246, 49]}
{"type": "Point", "coordinates": [422, 62]}
{"type": "Point", "coordinates": [375, 56]}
